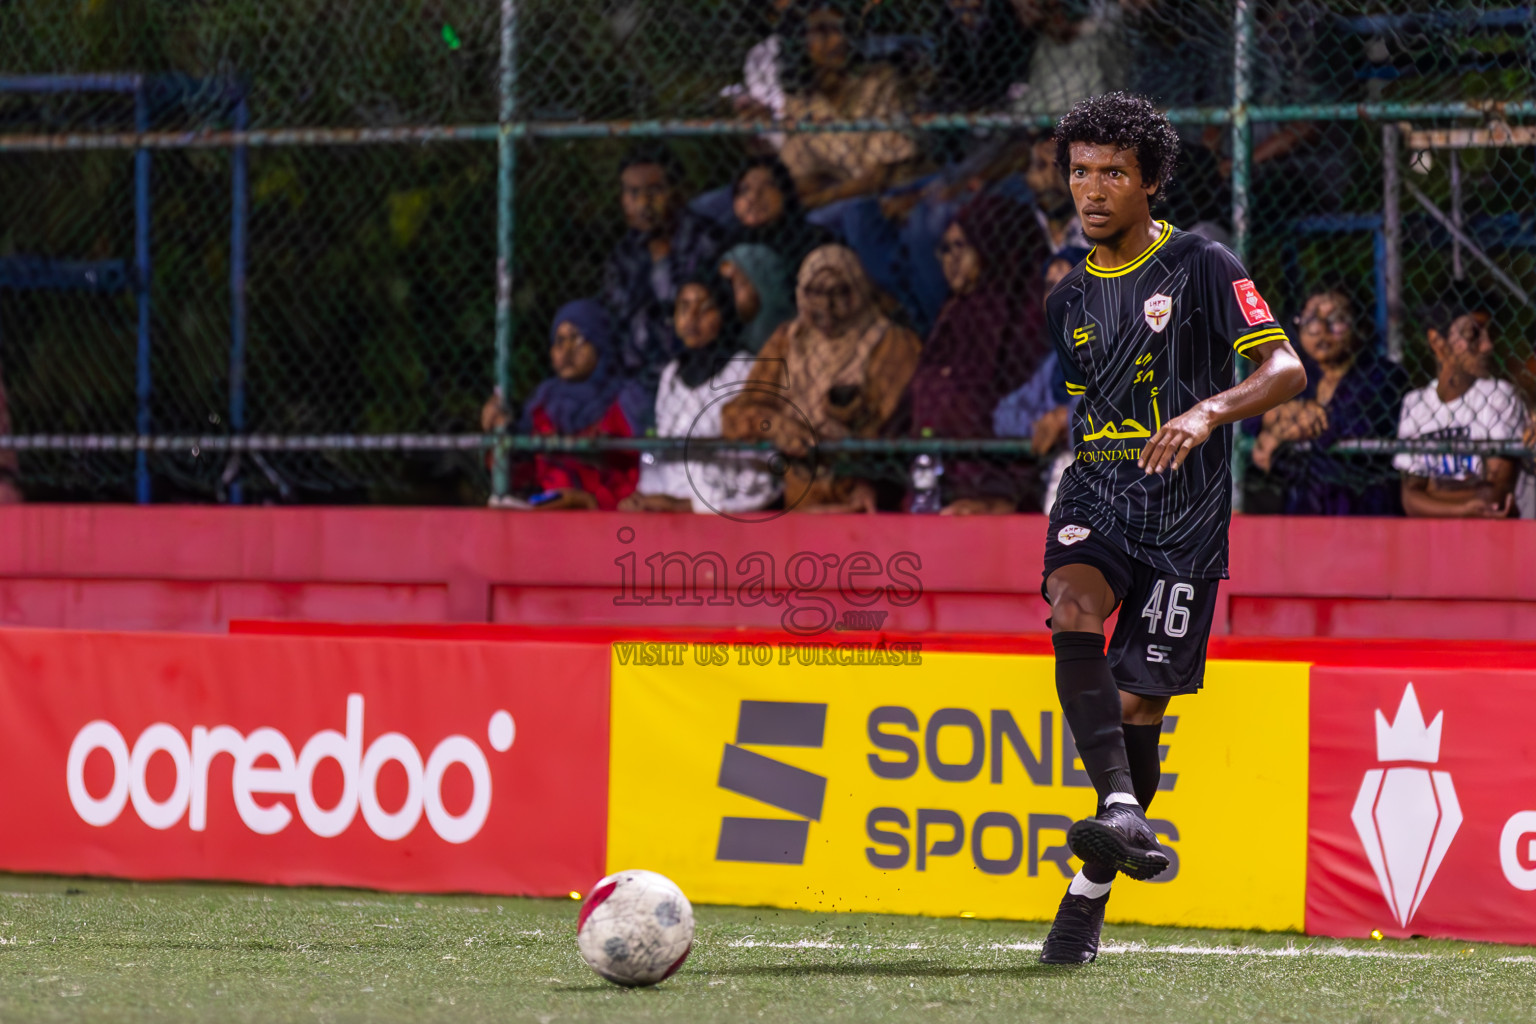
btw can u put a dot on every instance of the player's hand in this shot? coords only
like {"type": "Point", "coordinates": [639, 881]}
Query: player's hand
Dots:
{"type": "Point", "coordinates": [1170, 446]}
{"type": "Point", "coordinates": [1530, 433]}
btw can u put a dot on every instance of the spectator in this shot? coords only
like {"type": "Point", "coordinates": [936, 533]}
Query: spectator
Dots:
{"type": "Point", "coordinates": [1076, 56]}
{"type": "Point", "coordinates": [1462, 403]}
{"type": "Point", "coordinates": [760, 97]}
{"type": "Point", "coordinates": [587, 397]}
{"type": "Point", "coordinates": [1168, 43]}
{"type": "Point", "coordinates": [1352, 392]}
{"type": "Point", "coordinates": [989, 336]}
{"type": "Point", "coordinates": [688, 401]}
{"type": "Point", "coordinates": [1041, 410]}
{"type": "Point", "coordinates": [981, 49]}
{"type": "Point", "coordinates": [838, 370]}
{"type": "Point", "coordinates": [823, 84]}
{"type": "Point", "coordinates": [767, 205]}
{"type": "Point", "coordinates": [1054, 208]}
{"type": "Point", "coordinates": [896, 234]}
{"type": "Point", "coordinates": [764, 301]}
{"type": "Point", "coordinates": [665, 243]}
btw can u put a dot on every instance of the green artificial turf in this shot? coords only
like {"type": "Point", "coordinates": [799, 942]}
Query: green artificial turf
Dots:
{"type": "Point", "coordinates": [73, 949]}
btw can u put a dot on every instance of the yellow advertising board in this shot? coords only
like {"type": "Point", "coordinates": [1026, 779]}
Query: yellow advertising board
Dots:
{"type": "Point", "coordinates": [942, 786]}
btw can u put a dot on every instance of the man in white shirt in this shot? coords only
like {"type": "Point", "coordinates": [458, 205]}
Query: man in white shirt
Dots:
{"type": "Point", "coordinates": [1463, 403]}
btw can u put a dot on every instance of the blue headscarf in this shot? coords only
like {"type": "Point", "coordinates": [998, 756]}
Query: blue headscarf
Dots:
{"type": "Point", "coordinates": [775, 294]}
{"type": "Point", "coordinates": [573, 406]}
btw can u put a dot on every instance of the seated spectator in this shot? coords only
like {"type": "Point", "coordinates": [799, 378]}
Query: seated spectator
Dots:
{"type": "Point", "coordinates": [1352, 392]}
{"type": "Point", "coordinates": [692, 391]}
{"type": "Point", "coordinates": [989, 336]}
{"type": "Point", "coordinates": [838, 370]}
{"type": "Point", "coordinates": [768, 208]}
{"type": "Point", "coordinates": [764, 299]}
{"type": "Point", "coordinates": [1054, 208]}
{"type": "Point", "coordinates": [587, 397]}
{"type": "Point", "coordinates": [1076, 56]}
{"type": "Point", "coordinates": [981, 48]}
{"type": "Point", "coordinates": [1041, 410]}
{"type": "Point", "coordinates": [1465, 403]}
{"type": "Point", "coordinates": [896, 235]}
{"type": "Point", "coordinates": [760, 96]}
{"type": "Point", "coordinates": [665, 243]}
{"type": "Point", "coordinates": [823, 84]}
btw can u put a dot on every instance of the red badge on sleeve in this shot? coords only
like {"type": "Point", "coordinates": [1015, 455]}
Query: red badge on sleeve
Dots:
{"type": "Point", "coordinates": [1255, 309]}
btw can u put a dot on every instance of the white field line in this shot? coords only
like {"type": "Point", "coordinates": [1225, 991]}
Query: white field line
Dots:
{"type": "Point", "coordinates": [1110, 948]}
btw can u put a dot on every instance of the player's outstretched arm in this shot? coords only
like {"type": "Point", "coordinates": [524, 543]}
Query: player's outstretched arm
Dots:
{"type": "Point", "coordinates": [1279, 378]}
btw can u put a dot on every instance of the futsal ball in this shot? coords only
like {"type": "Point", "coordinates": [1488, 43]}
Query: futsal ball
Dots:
{"type": "Point", "coordinates": [635, 928]}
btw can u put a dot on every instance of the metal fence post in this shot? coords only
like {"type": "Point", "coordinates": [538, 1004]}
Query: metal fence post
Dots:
{"type": "Point", "coordinates": [141, 281]}
{"type": "Point", "coordinates": [1392, 227]}
{"type": "Point", "coordinates": [506, 163]}
{"type": "Point", "coordinates": [239, 240]}
{"type": "Point", "coordinates": [1242, 147]}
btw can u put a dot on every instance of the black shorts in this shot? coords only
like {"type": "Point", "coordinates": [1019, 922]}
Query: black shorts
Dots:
{"type": "Point", "coordinates": [1161, 651]}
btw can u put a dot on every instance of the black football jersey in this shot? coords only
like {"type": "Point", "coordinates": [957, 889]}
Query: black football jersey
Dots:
{"type": "Point", "coordinates": [1141, 344]}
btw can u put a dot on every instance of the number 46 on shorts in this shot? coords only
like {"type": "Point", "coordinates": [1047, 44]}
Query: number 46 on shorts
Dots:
{"type": "Point", "coordinates": [1175, 622]}
{"type": "Point", "coordinates": [1161, 651]}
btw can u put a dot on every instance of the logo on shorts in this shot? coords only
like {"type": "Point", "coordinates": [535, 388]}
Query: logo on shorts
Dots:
{"type": "Point", "coordinates": [1156, 310]}
{"type": "Point", "coordinates": [1070, 535]}
{"type": "Point", "coordinates": [1255, 309]}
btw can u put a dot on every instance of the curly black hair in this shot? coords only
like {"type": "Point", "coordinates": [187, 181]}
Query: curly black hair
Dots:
{"type": "Point", "coordinates": [1125, 121]}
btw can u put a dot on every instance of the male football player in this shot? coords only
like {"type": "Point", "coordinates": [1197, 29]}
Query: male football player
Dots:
{"type": "Point", "coordinates": [1148, 329]}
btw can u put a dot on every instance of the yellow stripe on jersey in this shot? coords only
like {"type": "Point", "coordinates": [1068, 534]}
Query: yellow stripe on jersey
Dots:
{"type": "Point", "coordinates": [1256, 338]}
{"type": "Point", "coordinates": [1167, 232]}
{"type": "Point", "coordinates": [1076, 389]}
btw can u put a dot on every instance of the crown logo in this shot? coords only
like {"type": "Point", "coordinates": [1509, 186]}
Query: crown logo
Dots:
{"type": "Point", "coordinates": [1408, 738]}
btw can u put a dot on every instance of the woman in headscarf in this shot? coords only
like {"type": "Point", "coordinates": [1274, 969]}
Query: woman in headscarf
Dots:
{"type": "Point", "coordinates": [689, 398]}
{"type": "Point", "coordinates": [838, 370]}
{"type": "Point", "coordinates": [764, 295]}
{"type": "Point", "coordinates": [988, 338]}
{"type": "Point", "coordinates": [767, 203]}
{"type": "Point", "coordinates": [586, 397]}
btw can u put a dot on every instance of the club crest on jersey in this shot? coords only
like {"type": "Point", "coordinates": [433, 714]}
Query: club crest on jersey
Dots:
{"type": "Point", "coordinates": [1070, 535]}
{"type": "Point", "coordinates": [1157, 310]}
{"type": "Point", "coordinates": [1255, 309]}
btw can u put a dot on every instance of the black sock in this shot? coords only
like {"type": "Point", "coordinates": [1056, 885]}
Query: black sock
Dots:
{"type": "Point", "coordinates": [1141, 743]}
{"type": "Point", "coordinates": [1090, 701]}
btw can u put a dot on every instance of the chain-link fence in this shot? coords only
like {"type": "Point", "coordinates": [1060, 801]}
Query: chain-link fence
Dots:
{"type": "Point", "coordinates": [285, 250]}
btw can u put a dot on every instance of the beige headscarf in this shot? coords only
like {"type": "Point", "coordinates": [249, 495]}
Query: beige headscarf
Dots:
{"type": "Point", "coordinates": [818, 362]}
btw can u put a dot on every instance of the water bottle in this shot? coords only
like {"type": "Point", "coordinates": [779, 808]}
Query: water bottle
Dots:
{"type": "Point", "coordinates": [926, 471]}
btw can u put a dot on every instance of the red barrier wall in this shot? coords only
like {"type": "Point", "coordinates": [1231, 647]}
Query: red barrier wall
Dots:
{"type": "Point", "coordinates": [1422, 804]}
{"type": "Point", "coordinates": [196, 568]}
{"type": "Point", "coordinates": [299, 761]}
